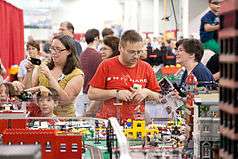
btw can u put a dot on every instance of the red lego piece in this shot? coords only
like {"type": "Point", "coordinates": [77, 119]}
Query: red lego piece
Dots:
{"type": "Point", "coordinates": [54, 144]}
{"type": "Point", "coordinates": [12, 123]}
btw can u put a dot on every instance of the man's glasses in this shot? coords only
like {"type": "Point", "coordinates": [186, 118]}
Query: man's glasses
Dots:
{"type": "Point", "coordinates": [56, 50]}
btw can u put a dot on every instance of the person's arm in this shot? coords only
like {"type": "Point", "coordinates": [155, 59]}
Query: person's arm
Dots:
{"type": "Point", "coordinates": [145, 93]}
{"type": "Point", "coordinates": [94, 107]}
{"type": "Point", "coordinates": [2, 69]}
{"type": "Point", "coordinates": [209, 27]}
{"type": "Point", "coordinates": [72, 89]}
{"type": "Point", "coordinates": [35, 77]}
{"type": "Point", "coordinates": [151, 92]}
{"type": "Point", "coordinates": [28, 78]}
{"type": "Point", "coordinates": [216, 76]}
{"type": "Point", "coordinates": [101, 94]}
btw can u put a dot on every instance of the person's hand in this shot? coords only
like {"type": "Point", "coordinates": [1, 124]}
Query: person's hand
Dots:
{"type": "Point", "coordinates": [41, 89]}
{"type": "Point", "coordinates": [174, 93]}
{"type": "Point", "coordinates": [217, 26]}
{"type": "Point", "coordinates": [44, 91]}
{"type": "Point", "coordinates": [18, 86]}
{"type": "Point", "coordinates": [161, 99]}
{"type": "Point", "coordinates": [139, 94]}
{"type": "Point", "coordinates": [45, 70]}
{"type": "Point", "coordinates": [124, 95]}
{"type": "Point", "coordinates": [2, 68]}
{"type": "Point", "coordinates": [29, 66]}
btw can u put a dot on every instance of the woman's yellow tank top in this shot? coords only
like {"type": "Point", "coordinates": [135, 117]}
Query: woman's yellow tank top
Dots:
{"type": "Point", "coordinates": [62, 111]}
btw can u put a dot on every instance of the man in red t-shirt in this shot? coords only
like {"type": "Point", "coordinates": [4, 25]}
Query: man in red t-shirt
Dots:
{"type": "Point", "coordinates": [123, 82]}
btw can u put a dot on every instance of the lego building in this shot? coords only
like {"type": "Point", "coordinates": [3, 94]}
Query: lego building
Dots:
{"type": "Point", "coordinates": [206, 134]}
{"type": "Point", "coordinates": [54, 144]}
{"type": "Point", "coordinates": [138, 130]}
{"type": "Point", "coordinates": [228, 36]}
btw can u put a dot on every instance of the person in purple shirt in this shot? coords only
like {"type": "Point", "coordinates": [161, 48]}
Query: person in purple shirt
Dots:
{"type": "Point", "coordinates": [89, 60]}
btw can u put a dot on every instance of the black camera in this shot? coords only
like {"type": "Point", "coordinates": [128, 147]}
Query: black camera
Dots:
{"type": "Point", "coordinates": [35, 61]}
{"type": "Point", "coordinates": [25, 96]}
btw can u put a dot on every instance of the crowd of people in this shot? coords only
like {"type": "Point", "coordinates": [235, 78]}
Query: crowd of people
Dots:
{"type": "Point", "coordinates": [110, 77]}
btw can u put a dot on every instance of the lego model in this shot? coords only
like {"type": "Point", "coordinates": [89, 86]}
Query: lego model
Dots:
{"type": "Point", "coordinates": [173, 72]}
{"type": "Point", "coordinates": [138, 130]}
{"type": "Point", "coordinates": [54, 144]}
{"type": "Point", "coordinates": [206, 133]}
{"type": "Point", "coordinates": [11, 116]}
{"type": "Point", "coordinates": [228, 81]}
{"type": "Point", "coordinates": [60, 137]}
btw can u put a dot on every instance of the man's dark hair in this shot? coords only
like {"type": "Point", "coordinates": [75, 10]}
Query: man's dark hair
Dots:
{"type": "Point", "coordinates": [69, 26]}
{"type": "Point", "coordinates": [106, 32]}
{"type": "Point", "coordinates": [34, 44]}
{"type": "Point", "coordinates": [113, 43]}
{"type": "Point", "coordinates": [193, 46]}
{"type": "Point", "coordinates": [53, 94]}
{"type": "Point", "coordinates": [90, 35]}
{"type": "Point", "coordinates": [72, 60]}
{"type": "Point", "coordinates": [130, 36]}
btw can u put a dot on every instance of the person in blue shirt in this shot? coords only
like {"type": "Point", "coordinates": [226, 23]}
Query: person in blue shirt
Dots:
{"type": "Point", "coordinates": [210, 24]}
{"type": "Point", "coordinates": [189, 54]}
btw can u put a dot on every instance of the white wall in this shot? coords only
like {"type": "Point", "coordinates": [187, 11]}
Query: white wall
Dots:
{"type": "Point", "coordinates": [85, 14]}
{"type": "Point", "coordinates": [146, 13]}
{"type": "Point", "coordinates": [136, 14]}
{"type": "Point", "coordinates": [197, 8]}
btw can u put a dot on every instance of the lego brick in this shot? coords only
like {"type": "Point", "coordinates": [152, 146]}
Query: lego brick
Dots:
{"type": "Point", "coordinates": [228, 83]}
{"type": "Point", "coordinates": [228, 32]}
{"type": "Point", "coordinates": [228, 134]}
{"type": "Point", "coordinates": [20, 152]}
{"type": "Point", "coordinates": [236, 123]}
{"type": "Point", "coordinates": [228, 71]}
{"type": "Point", "coordinates": [229, 19]}
{"type": "Point", "coordinates": [229, 47]}
{"type": "Point", "coordinates": [228, 108]}
{"type": "Point", "coordinates": [229, 5]}
{"type": "Point", "coordinates": [50, 141]}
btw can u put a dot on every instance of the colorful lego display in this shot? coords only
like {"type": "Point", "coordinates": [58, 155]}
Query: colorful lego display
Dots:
{"type": "Point", "coordinates": [172, 72]}
{"type": "Point", "coordinates": [161, 139]}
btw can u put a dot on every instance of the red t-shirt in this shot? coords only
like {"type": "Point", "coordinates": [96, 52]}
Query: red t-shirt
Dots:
{"type": "Point", "coordinates": [111, 74]}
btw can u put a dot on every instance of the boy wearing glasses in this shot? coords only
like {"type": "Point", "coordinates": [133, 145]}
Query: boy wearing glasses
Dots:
{"type": "Point", "coordinates": [210, 24]}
